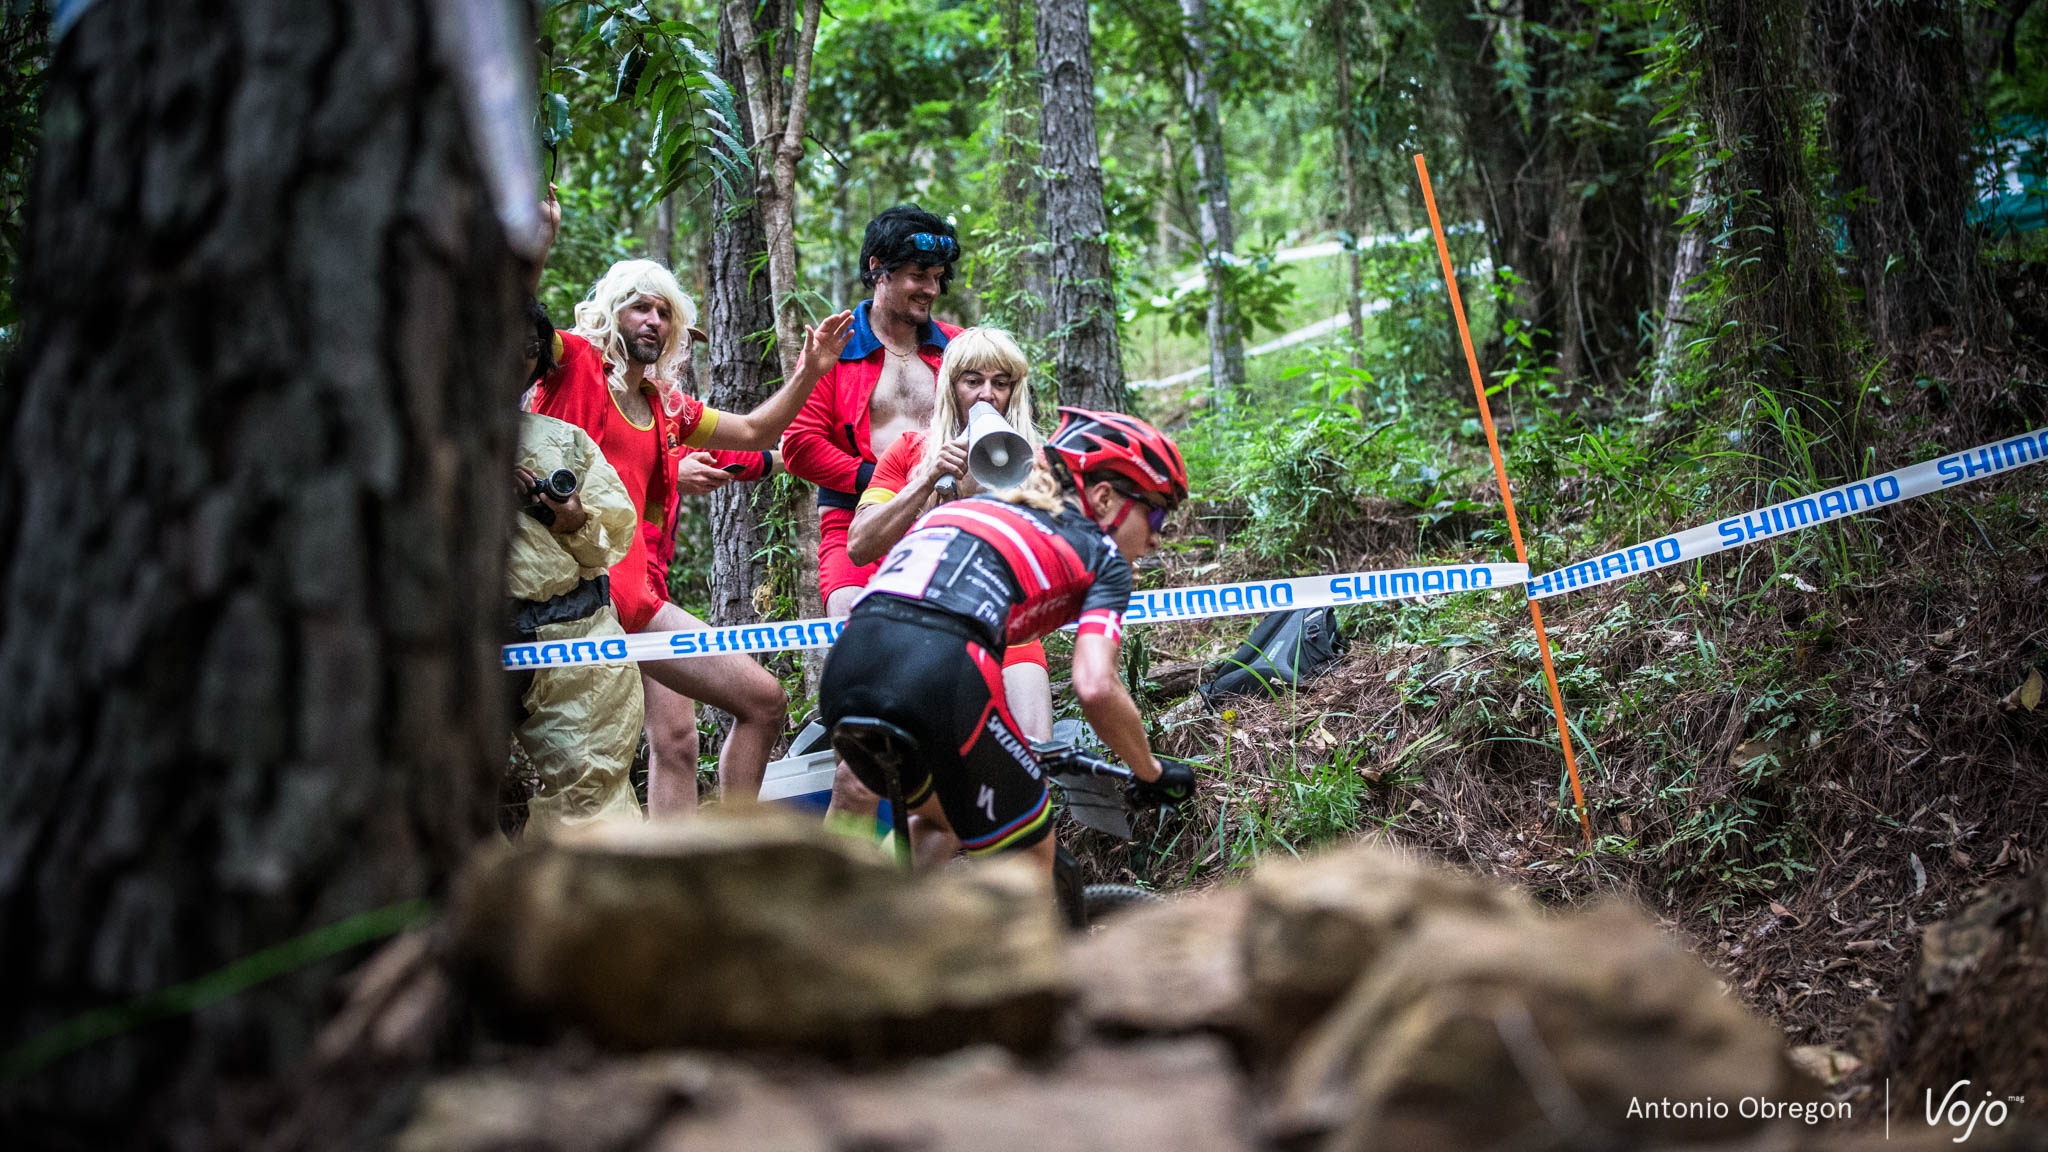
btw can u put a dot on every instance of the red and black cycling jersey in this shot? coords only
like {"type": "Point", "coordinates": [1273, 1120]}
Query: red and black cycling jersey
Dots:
{"type": "Point", "coordinates": [1017, 573]}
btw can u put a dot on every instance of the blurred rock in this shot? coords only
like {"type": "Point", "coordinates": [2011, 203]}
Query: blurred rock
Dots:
{"type": "Point", "coordinates": [1183, 1096]}
{"type": "Point", "coordinates": [1506, 1031]}
{"type": "Point", "coordinates": [1180, 1095]}
{"type": "Point", "coordinates": [756, 929]}
{"type": "Point", "coordinates": [1169, 969]}
{"type": "Point", "coordinates": [1980, 972]}
{"type": "Point", "coordinates": [542, 1106]}
{"type": "Point", "coordinates": [1314, 925]}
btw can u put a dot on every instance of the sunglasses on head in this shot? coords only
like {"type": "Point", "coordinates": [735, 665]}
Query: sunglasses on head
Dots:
{"type": "Point", "coordinates": [944, 246]}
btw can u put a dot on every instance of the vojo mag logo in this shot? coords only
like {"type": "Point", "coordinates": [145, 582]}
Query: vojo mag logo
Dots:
{"type": "Point", "coordinates": [1963, 1108]}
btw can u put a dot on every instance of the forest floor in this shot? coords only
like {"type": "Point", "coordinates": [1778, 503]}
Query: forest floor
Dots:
{"type": "Point", "coordinates": [1796, 755]}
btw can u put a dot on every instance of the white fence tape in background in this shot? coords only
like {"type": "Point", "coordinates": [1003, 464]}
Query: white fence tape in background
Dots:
{"type": "Point", "coordinates": [1198, 603]}
{"type": "Point", "coordinates": [1896, 486]}
{"type": "Point", "coordinates": [1254, 596]}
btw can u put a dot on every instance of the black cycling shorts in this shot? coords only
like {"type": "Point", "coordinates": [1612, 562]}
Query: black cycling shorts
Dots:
{"type": "Point", "coordinates": [921, 670]}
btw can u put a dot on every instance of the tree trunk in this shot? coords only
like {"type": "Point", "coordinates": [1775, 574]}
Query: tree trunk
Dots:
{"type": "Point", "coordinates": [1678, 326]}
{"type": "Point", "coordinates": [778, 127]}
{"type": "Point", "coordinates": [1900, 132]}
{"type": "Point", "coordinates": [776, 119]}
{"type": "Point", "coordinates": [1212, 191]}
{"type": "Point", "coordinates": [739, 319]}
{"type": "Point", "coordinates": [259, 441]}
{"type": "Point", "coordinates": [1011, 265]}
{"type": "Point", "coordinates": [1089, 366]}
{"type": "Point", "coordinates": [1785, 297]}
{"type": "Point", "coordinates": [1339, 17]}
{"type": "Point", "coordinates": [663, 250]}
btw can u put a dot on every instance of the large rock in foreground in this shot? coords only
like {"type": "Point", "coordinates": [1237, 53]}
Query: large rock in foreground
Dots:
{"type": "Point", "coordinates": [1316, 924]}
{"type": "Point", "coordinates": [1180, 1095]}
{"type": "Point", "coordinates": [1484, 1032]}
{"type": "Point", "coordinates": [757, 930]}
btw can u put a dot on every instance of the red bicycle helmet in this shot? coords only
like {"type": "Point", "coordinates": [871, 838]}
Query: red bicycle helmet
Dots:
{"type": "Point", "coordinates": [1113, 442]}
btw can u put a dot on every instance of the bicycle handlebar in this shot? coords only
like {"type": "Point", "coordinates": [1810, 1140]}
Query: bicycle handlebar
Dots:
{"type": "Point", "coordinates": [1061, 757]}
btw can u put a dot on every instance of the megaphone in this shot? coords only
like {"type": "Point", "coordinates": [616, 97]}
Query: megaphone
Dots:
{"type": "Point", "coordinates": [997, 456]}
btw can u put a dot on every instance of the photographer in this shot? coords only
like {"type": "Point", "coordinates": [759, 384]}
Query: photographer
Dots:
{"type": "Point", "coordinates": [580, 726]}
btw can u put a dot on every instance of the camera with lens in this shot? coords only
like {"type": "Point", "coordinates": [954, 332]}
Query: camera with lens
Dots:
{"type": "Point", "coordinates": [557, 485]}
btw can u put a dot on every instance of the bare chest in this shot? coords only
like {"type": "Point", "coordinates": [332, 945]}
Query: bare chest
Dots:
{"type": "Point", "coordinates": [902, 401]}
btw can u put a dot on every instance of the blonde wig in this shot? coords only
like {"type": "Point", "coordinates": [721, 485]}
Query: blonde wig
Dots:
{"type": "Point", "coordinates": [597, 320]}
{"type": "Point", "coordinates": [988, 351]}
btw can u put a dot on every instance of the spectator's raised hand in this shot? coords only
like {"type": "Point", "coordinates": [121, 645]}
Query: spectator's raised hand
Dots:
{"type": "Point", "coordinates": [550, 219]}
{"type": "Point", "coordinates": [699, 474]}
{"type": "Point", "coordinates": [824, 343]}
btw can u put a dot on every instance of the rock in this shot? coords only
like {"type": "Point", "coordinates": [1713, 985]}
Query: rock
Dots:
{"type": "Point", "coordinates": [1182, 1095]}
{"type": "Point", "coordinates": [1314, 925]}
{"type": "Point", "coordinates": [1979, 971]}
{"type": "Point", "coordinates": [1830, 1066]}
{"type": "Point", "coordinates": [756, 929]}
{"type": "Point", "coordinates": [1493, 1031]}
{"type": "Point", "coordinates": [666, 1101]}
{"type": "Point", "coordinates": [1169, 969]}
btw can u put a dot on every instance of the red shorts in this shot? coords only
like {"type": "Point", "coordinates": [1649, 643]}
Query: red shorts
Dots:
{"type": "Point", "coordinates": [836, 570]}
{"type": "Point", "coordinates": [1032, 653]}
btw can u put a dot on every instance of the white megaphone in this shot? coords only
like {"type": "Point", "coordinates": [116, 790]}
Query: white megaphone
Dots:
{"type": "Point", "coordinates": [997, 456]}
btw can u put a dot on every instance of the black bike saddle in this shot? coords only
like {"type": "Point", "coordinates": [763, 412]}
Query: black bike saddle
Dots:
{"type": "Point", "coordinates": [871, 739]}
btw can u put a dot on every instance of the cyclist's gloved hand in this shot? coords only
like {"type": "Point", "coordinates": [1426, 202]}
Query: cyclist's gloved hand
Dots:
{"type": "Point", "coordinates": [1176, 783]}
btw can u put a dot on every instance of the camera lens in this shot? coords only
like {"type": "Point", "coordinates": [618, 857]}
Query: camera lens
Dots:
{"type": "Point", "coordinates": [561, 483]}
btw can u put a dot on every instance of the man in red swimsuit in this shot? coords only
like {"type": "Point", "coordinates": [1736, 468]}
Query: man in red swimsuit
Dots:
{"type": "Point", "coordinates": [882, 387]}
{"type": "Point", "coordinates": [617, 379]}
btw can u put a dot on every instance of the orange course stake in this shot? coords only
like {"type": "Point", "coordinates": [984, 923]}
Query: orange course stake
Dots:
{"type": "Point", "coordinates": [1500, 473]}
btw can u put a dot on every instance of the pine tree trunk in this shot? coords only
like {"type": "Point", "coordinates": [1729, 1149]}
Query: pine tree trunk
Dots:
{"type": "Point", "coordinates": [1212, 192]}
{"type": "Point", "coordinates": [259, 443]}
{"type": "Point", "coordinates": [1339, 16]}
{"type": "Point", "coordinates": [1900, 132]}
{"type": "Point", "coordinates": [739, 317]}
{"type": "Point", "coordinates": [1082, 305]}
{"type": "Point", "coordinates": [1791, 333]}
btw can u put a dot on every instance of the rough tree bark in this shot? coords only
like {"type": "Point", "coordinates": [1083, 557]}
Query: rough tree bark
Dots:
{"type": "Point", "coordinates": [1212, 191]}
{"type": "Point", "coordinates": [739, 316]}
{"type": "Point", "coordinates": [1900, 130]}
{"type": "Point", "coordinates": [1087, 363]}
{"type": "Point", "coordinates": [1787, 301]}
{"type": "Point", "coordinates": [776, 116]}
{"type": "Point", "coordinates": [259, 436]}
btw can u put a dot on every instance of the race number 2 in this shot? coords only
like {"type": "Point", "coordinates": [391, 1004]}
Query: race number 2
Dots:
{"type": "Point", "coordinates": [910, 566]}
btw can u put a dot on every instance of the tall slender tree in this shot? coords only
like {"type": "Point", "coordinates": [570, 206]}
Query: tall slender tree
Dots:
{"type": "Point", "coordinates": [1088, 364]}
{"type": "Point", "coordinates": [259, 433]}
{"type": "Point", "coordinates": [740, 321]}
{"type": "Point", "coordinates": [1212, 195]}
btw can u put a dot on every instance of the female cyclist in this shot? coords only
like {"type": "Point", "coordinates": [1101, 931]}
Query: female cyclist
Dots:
{"type": "Point", "coordinates": [981, 365]}
{"type": "Point", "coordinates": [923, 648]}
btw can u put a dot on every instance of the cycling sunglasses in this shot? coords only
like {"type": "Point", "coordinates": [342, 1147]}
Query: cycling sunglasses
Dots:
{"type": "Point", "coordinates": [1155, 515]}
{"type": "Point", "coordinates": [944, 246]}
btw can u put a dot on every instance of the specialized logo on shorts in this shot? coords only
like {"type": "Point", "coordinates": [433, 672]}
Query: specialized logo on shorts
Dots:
{"type": "Point", "coordinates": [987, 802]}
{"type": "Point", "coordinates": [1017, 751]}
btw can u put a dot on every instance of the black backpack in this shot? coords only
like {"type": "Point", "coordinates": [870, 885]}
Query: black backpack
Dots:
{"type": "Point", "coordinates": [1286, 649]}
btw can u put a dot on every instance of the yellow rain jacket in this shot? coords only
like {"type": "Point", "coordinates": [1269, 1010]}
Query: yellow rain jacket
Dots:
{"type": "Point", "coordinates": [580, 725]}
